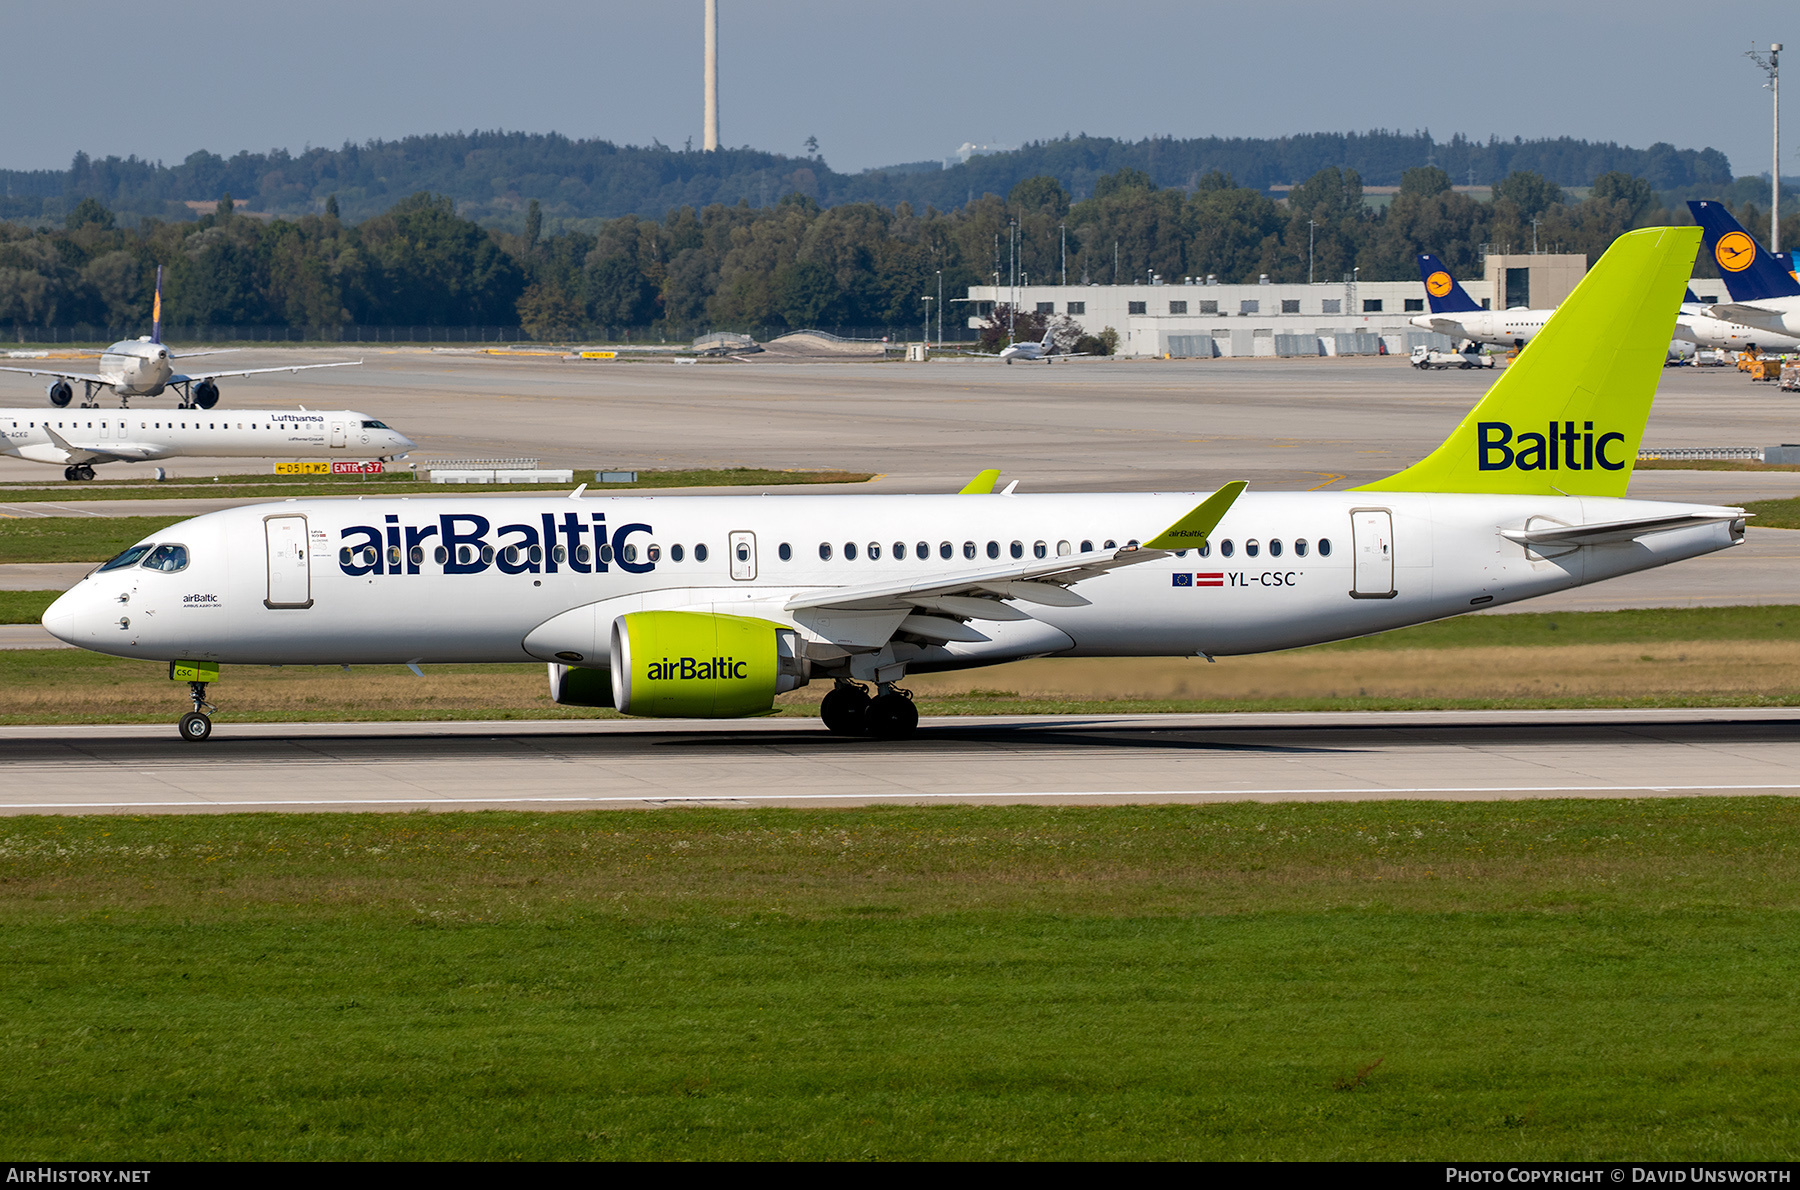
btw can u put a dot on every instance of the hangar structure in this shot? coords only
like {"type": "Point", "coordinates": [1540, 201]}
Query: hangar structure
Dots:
{"type": "Point", "coordinates": [1199, 317]}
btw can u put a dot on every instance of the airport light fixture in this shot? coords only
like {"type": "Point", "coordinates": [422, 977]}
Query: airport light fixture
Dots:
{"type": "Point", "coordinates": [927, 299]}
{"type": "Point", "coordinates": [1309, 251]}
{"type": "Point", "coordinates": [1770, 64]}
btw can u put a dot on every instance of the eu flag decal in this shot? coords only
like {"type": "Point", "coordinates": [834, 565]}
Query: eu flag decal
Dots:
{"type": "Point", "coordinates": [1183, 580]}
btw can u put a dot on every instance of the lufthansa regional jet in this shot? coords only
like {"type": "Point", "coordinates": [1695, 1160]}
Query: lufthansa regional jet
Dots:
{"type": "Point", "coordinates": [78, 439]}
{"type": "Point", "coordinates": [710, 607]}
{"type": "Point", "coordinates": [142, 367]}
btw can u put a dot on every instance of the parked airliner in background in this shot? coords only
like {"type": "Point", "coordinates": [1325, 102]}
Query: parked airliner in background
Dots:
{"type": "Point", "coordinates": [1764, 294]}
{"type": "Point", "coordinates": [77, 439]}
{"type": "Point", "coordinates": [1455, 313]}
{"type": "Point", "coordinates": [1031, 352]}
{"type": "Point", "coordinates": [709, 607]}
{"type": "Point", "coordinates": [142, 368]}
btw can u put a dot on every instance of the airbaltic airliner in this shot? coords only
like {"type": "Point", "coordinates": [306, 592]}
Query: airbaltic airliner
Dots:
{"type": "Point", "coordinates": [709, 607]}
{"type": "Point", "coordinates": [77, 439]}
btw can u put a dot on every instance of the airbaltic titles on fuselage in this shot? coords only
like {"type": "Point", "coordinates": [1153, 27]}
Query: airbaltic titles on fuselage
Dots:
{"type": "Point", "coordinates": [460, 543]}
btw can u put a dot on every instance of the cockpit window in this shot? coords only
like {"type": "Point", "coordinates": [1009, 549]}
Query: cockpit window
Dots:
{"type": "Point", "coordinates": [167, 558]}
{"type": "Point", "coordinates": [374, 425]}
{"type": "Point", "coordinates": [129, 558]}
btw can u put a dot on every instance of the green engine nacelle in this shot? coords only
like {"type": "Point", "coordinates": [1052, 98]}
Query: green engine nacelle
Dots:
{"type": "Point", "coordinates": [701, 665]}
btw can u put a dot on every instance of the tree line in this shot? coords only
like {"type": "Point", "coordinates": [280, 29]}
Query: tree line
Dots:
{"type": "Point", "coordinates": [793, 263]}
{"type": "Point", "coordinates": [494, 176]}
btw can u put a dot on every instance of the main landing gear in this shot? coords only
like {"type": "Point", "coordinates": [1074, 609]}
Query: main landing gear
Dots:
{"type": "Point", "coordinates": [78, 473]}
{"type": "Point", "coordinates": [890, 715]}
{"type": "Point", "coordinates": [196, 725]}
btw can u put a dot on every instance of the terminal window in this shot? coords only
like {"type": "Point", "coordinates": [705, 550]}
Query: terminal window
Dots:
{"type": "Point", "coordinates": [1046, 307]}
{"type": "Point", "coordinates": [1078, 307]}
{"type": "Point", "coordinates": [1250, 306]}
{"type": "Point", "coordinates": [1134, 307]}
{"type": "Point", "coordinates": [1371, 305]}
{"type": "Point", "coordinates": [1209, 307]}
{"type": "Point", "coordinates": [1178, 307]}
{"type": "Point", "coordinates": [1415, 305]}
{"type": "Point", "coordinates": [1290, 305]}
{"type": "Point", "coordinates": [1332, 306]}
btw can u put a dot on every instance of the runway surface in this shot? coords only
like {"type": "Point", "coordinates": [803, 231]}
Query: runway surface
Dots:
{"type": "Point", "coordinates": [1042, 760]}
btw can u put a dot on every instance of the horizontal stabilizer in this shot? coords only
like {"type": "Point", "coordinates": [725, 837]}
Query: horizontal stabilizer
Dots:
{"type": "Point", "coordinates": [1608, 532]}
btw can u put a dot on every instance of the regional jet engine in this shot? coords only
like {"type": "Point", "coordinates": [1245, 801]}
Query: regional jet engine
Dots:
{"type": "Point", "coordinates": [206, 394]}
{"type": "Point", "coordinates": [60, 393]}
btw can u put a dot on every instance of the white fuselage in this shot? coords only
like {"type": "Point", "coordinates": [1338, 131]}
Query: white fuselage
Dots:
{"type": "Point", "coordinates": [136, 368]}
{"type": "Point", "coordinates": [1697, 325]}
{"type": "Point", "coordinates": [136, 435]}
{"type": "Point", "coordinates": [1029, 352]}
{"type": "Point", "coordinates": [377, 581]}
{"type": "Point", "coordinates": [1780, 315]}
{"type": "Point", "coordinates": [1506, 328]}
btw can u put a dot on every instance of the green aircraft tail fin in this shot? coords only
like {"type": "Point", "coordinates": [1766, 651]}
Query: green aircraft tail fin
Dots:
{"type": "Point", "coordinates": [1568, 415]}
{"type": "Point", "coordinates": [982, 484]}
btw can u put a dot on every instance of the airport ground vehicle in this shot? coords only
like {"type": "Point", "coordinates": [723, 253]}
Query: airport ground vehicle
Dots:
{"type": "Point", "coordinates": [710, 607]}
{"type": "Point", "coordinates": [1425, 358]}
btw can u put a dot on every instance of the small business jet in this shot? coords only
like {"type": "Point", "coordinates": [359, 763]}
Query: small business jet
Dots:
{"type": "Point", "coordinates": [78, 439]}
{"type": "Point", "coordinates": [143, 367]}
{"type": "Point", "coordinates": [1031, 352]}
{"type": "Point", "coordinates": [711, 606]}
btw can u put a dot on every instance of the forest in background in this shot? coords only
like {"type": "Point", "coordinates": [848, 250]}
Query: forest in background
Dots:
{"type": "Point", "coordinates": [493, 177]}
{"type": "Point", "coordinates": [853, 266]}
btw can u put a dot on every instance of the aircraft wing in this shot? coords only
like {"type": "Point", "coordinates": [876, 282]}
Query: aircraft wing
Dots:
{"type": "Point", "coordinates": [979, 594]}
{"type": "Point", "coordinates": [208, 351]}
{"type": "Point", "coordinates": [349, 363]}
{"type": "Point", "coordinates": [1607, 532]}
{"type": "Point", "coordinates": [1446, 326]}
{"type": "Point", "coordinates": [88, 376]}
{"type": "Point", "coordinates": [76, 455]}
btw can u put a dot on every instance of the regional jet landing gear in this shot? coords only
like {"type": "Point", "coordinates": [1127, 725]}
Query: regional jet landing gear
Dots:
{"type": "Point", "coordinates": [848, 710]}
{"type": "Point", "coordinates": [195, 725]}
{"type": "Point", "coordinates": [78, 473]}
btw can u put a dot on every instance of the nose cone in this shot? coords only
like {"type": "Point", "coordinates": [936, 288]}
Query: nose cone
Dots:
{"type": "Point", "coordinates": [60, 617]}
{"type": "Point", "coordinates": [402, 442]}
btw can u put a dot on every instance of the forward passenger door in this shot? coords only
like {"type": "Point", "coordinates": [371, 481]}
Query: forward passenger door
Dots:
{"type": "Point", "coordinates": [290, 570]}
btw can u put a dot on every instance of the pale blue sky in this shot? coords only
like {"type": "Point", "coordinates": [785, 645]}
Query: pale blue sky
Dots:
{"type": "Point", "coordinates": [880, 84]}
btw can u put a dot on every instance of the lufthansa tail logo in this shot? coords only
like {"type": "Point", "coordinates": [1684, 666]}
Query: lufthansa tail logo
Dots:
{"type": "Point", "coordinates": [1735, 251]}
{"type": "Point", "coordinates": [1438, 284]}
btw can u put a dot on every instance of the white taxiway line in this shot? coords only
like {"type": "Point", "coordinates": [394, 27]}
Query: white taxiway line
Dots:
{"type": "Point", "coordinates": [1375, 792]}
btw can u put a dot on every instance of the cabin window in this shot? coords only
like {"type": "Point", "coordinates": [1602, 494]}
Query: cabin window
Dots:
{"type": "Point", "coordinates": [743, 551]}
{"type": "Point", "coordinates": [536, 554]}
{"type": "Point", "coordinates": [849, 551]}
{"type": "Point", "coordinates": [993, 549]}
{"type": "Point", "coordinates": [676, 553]}
{"type": "Point", "coordinates": [824, 551]}
{"type": "Point", "coordinates": [129, 558]}
{"type": "Point", "coordinates": [969, 550]}
{"type": "Point", "coordinates": [464, 555]}
{"type": "Point", "coordinates": [1087, 547]}
{"type": "Point", "coordinates": [1017, 549]}
{"type": "Point", "coordinates": [699, 553]}
{"type": "Point", "coordinates": [1226, 549]}
{"type": "Point", "coordinates": [922, 551]}
{"type": "Point", "coordinates": [1274, 547]}
{"type": "Point", "coordinates": [1324, 547]}
{"type": "Point", "coordinates": [1109, 544]}
{"type": "Point", "coordinates": [441, 555]}
{"type": "Point", "coordinates": [1300, 547]}
{"type": "Point", "coordinates": [784, 551]}
{"type": "Point", "coordinates": [606, 553]}
{"type": "Point", "coordinates": [628, 553]}
{"type": "Point", "coordinates": [899, 551]}
{"type": "Point", "coordinates": [1040, 550]}
{"type": "Point", "coordinates": [1063, 549]}
{"type": "Point", "coordinates": [874, 551]}
{"type": "Point", "coordinates": [510, 555]}
{"type": "Point", "coordinates": [487, 555]}
{"type": "Point", "coordinates": [558, 554]}
{"type": "Point", "coordinates": [654, 553]}
{"type": "Point", "coordinates": [393, 556]}
{"type": "Point", "coordinates": [1252, 547]}
{"type": "Point", "coordinates": [944, 550]}
{"type": "Point", "coordinates": [1205, 550]}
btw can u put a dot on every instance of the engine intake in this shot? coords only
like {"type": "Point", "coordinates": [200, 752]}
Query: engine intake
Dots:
{"type": "Point", "coordinates": [206, 394]}
{"type": "Point", "coordinates": [702, 665]}
{"type": "Point", "coordinates": [60, 393]}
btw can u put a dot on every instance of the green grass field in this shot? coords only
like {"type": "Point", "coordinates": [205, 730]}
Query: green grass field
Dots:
{"type": "Point", "coordinates": [74, 538]}
{"type": "Point", "coordinates": [1775, 514]}
{"type": "Point", "coordinates": [1513, 981]}
{"type": "Point", "coordinates": [25, 607]}
{"type": "Point", "coordinates": [398, 484]}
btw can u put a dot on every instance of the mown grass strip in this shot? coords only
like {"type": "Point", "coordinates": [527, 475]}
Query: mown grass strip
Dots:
{"type": "Point", "coordinates": [403, 484]}
{"type": "Point", "coordinates": [25, 607]}
{"type": "Point", "coordinates": [1775, 514]}
{"type": "Point", "coordinates": [74, 538]}
{"type": "Point", "coordinates": [1570, 980]}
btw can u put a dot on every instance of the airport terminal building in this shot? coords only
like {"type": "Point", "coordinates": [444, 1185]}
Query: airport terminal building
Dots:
{"type": "Point", "coordinates": [1197, 317]}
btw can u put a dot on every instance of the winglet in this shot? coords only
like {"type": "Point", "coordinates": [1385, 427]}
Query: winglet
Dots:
{"type": "Point", "coordinates": [576, 494]}
{"type": "Point", "coordinates": [156, 310]}
{"type": "Point", "coordinates": [1192, 530]}
{"type": "Point", "coordinates": [983, 484]}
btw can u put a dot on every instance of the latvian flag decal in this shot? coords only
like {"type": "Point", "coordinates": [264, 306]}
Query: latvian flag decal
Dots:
{"type": "Point", "coordinates": [1199, 580]}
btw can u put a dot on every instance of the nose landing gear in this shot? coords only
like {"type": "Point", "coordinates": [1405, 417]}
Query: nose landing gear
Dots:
{"type": "Point", "coordinates": [196, 725]}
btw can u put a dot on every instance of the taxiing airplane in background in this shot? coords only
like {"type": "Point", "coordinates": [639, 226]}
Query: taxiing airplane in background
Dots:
{"type": "Point", "coordinates": [78, 439]}
{"type": "Point", "coordinates": [1031, 352]}
{"type": "Point", "coordinates": [710, 606]}
{"type": "Point", "coordinates": [142, 368]}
